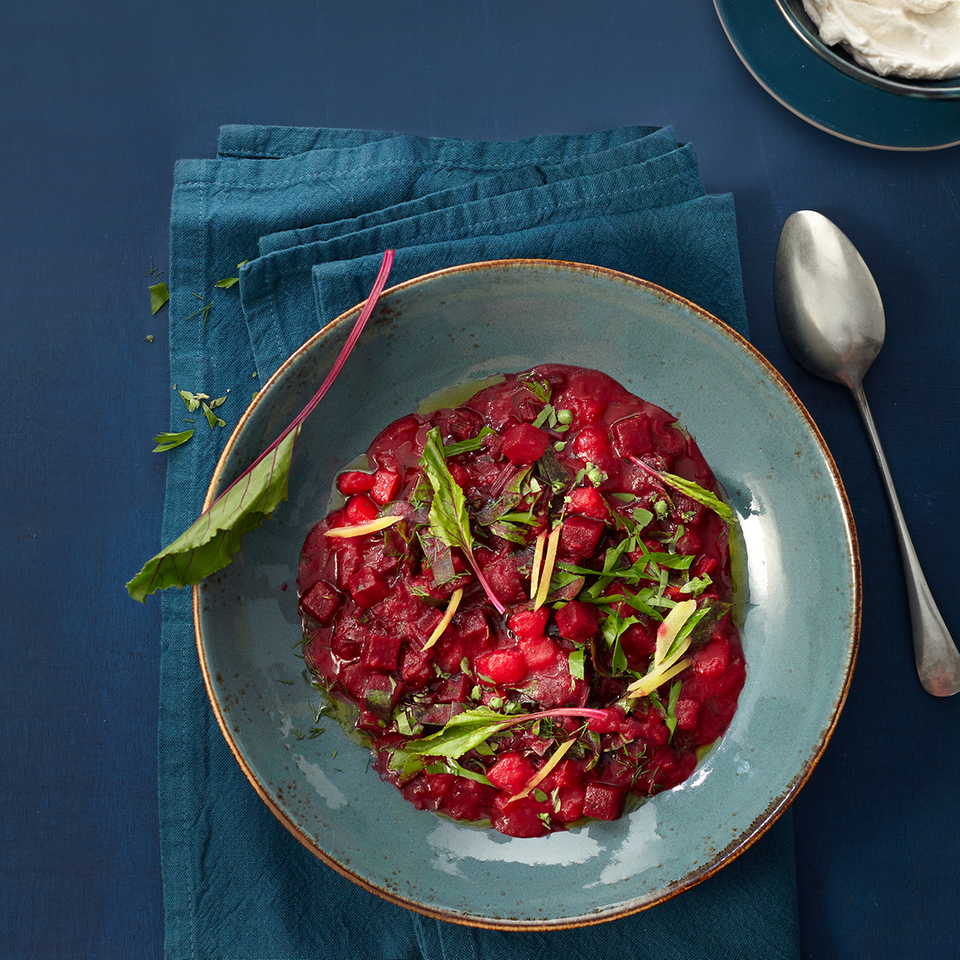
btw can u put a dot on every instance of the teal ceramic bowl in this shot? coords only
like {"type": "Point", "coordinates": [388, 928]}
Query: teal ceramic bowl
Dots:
{"type": "Point", "coordinates": [800, 629]}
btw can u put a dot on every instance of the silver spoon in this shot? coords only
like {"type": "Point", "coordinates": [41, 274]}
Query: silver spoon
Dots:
{"type": "Point", "coordinates": [831, 318]}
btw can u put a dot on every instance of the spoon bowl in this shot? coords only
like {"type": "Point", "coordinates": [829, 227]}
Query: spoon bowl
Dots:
{"type": "Point", "coordinates": [831, 314]}
{"type": "Point", "coordinates": [831, 318]}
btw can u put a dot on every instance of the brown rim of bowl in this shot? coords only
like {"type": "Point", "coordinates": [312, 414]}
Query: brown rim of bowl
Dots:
{"type": "Point", "coordinates": [760, 825]}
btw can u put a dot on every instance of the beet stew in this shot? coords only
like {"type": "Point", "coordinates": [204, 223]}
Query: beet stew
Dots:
{"type": "Point", "coordinates": [526, 600]}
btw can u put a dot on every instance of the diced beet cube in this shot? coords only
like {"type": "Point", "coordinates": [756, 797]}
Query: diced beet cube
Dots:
{"type": "Point", "coordinates": [415, 668]}
{"type": "Point", "coordinates": [474, 631]}
{"type": "Point", "coordinates": [690, 544]}
{"type": "Point", "coordinates": [460, 474]}
{"type": "Point", "coordinates": [592, 444]}
{"type": "Point", "coordinates": [354, 481]}
{"type": "Point", "coordinates": [557, 688]}
{"type": "Point", "coordinates": [361, 509]}
{"type": "Point", "coordinates": [579, 537]}
{"type": "Point", "coordinates": [603, 801]}
{"type": "Point", "coordinates": [503, 575]}
{"type": "Point", "coordinates": [386, 486]}
{"type": "Point", "coordinates": [395, 443]}
{"type": "Point", "coordinates": [712, 660]}
{"type": "Point", "coordinates": [631, 436]}
{"type": "Point", "coordinates": [380, 652]}
{"type": "Point", "coordinates": [449, 653]}
{"type": "Point", "coordinates": [687, 713]}
{"type": "Point", "coordinates": [440, 714]}
{"type": "Point", "coordinates": [367, 586]}
{"type": "Point", "coordinates": [529, 623]}
{"type": "Point", "coordinates": [455, 689]}
{"type": "Point", "coordinates": [427, 790]}
{"type": "Point", "coordinates": [670, 442]}
{"type": "Point", "coordinates": [321, 601]}
{"type": "Point", "coordinates": [380, 695]}
{"type": "Point", "coordinates": [703, 566]}
{"type": "Point", "coordinates": [524, 443]}
{"type": "Point", "coordinates": [518, 820]}
{"type": "Point", "coordinates": [466, 799]}
{"type": "Point", "coordinates": [588, 502]}
{"type": "Point", "coordinates": [577, 621]}
{"type": "Point", "coordinates": [587, 394]}
{"type": "Point", "coordinates": [511, 772]}
{"type": "Point", "coordinates": [565, 774]}
{"type": "Point", "coordinates": [502, 666]}
{"type": "Point", "coordinates": [571, 804]}
{"type": "Point", "coordinates": [638, 643]}
{"type": "Point", "coordinates": [538, 652]}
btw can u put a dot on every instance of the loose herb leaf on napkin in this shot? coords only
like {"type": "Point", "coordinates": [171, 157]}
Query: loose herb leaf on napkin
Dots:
{"type": "Point", "coordinates": [159, 295]}
{"type": "Point", "coordinates": [210, 543]}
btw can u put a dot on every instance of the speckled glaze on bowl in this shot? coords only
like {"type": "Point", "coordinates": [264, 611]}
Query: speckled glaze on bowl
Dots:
{"type": "Point", "coordinates": [800, 632]}
{"type": "Point", "coordinates": [796, 15]}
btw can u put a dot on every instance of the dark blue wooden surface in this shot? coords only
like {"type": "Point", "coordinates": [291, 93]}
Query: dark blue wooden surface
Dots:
{"type": "Point", "coordinates": [98, 101]}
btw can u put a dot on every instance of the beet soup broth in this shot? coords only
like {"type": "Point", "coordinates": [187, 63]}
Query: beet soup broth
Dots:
{"type": "Point", "coordinates": [526, 600]}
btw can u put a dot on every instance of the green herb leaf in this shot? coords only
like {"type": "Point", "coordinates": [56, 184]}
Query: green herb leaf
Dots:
{"type": "Point", "coordinates": [449, 519]}
{"type": "Point", "coordinates": [692, 489]}
{"type": "Point", "coordinates": [671, 711]}
{"type": "Point", "coordinates": [192, 400]}
{"type": "Point", "coordinates": [210, 543]}
{"type": "Point", "coordinates": [159, 295]}
{"type": "Point", "coordinates": [575, 663]}
{"type": "Point", "coordinates": [167, 441]}
{"type": "Point", "coordinates": [465, 446]}
{"type": "Point", "coordinates": [227, 282]}
{"type": "Point", "coordinates": [212, 418]}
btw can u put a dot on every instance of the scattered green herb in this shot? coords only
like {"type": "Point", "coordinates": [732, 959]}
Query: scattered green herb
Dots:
{"type": "Point", "coordinates": [210, 543]}
{"type": "Point", "coordinates": [167, 441]}
{"type": "Point", "coordinates": [228, 282]}
{"type": "Point", "coordinates": [159, 295]}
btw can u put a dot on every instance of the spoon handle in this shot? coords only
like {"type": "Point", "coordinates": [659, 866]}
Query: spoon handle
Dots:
{"type": "Point", "coordinates": [938, 662]}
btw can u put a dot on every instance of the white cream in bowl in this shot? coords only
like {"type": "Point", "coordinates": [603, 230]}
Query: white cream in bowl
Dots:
{"type": "Point", "coordinates": [915, 39]}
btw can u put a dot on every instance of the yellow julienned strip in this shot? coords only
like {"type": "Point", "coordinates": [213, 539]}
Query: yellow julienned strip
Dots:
{"type": "Point", "coordinates": [671, 626]}
{"type": "Point", "coordinates": [537, 560]}
{"type": "Point", "coordinates": [361, 529]}
{"type": "Point", "coordinates": [445, 620]}
{"type": "Point", "coordinates": [649, 683]}
{"type": "Point", "coordinates": [547, 572]}
{"type": "Point", "coordinates": [544, 770]}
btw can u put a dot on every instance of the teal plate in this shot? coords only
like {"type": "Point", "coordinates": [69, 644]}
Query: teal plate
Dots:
{"type": "Point", "coordinates": [800, 630]}
{"type": "Point", "coordinates": [805, 83]}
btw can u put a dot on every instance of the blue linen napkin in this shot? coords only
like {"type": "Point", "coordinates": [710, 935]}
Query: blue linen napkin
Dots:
{"type": "Point", "coordinates": [311, 210]}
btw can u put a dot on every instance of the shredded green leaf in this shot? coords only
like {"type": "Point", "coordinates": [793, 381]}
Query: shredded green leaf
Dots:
{"type": "Point", "coordinates": [167, 441]}
{"type": "Point", "coordinates": [159, 295]}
